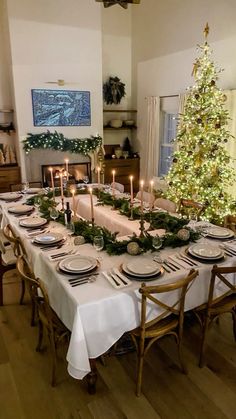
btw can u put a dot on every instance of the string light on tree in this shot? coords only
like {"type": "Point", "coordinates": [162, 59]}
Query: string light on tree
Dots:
{"type": "Point", "coordinates": [201, 168]}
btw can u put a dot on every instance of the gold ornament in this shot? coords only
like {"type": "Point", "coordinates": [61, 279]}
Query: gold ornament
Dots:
{"type": "Point", "coordinates": [183, 234]}
{"type": "Point", "coordinates": [133, 248]}
{"type": "Point", "coordinates": [79, 240]}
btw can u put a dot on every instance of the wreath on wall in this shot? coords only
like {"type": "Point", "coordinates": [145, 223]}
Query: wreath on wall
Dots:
{"type": "Point", "coordinates": [57, 141]}
{"type": "Point", "coordinates": [113, 91]}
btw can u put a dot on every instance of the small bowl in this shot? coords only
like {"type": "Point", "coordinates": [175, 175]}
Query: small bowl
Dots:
{"type": "Point", "coordinates": [116, 123]}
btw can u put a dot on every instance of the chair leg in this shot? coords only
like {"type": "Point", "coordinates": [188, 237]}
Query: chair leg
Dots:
{"type": "Point", "coordinates": [3, 269]}
{"type": "Point", "coordinates": [54, 360]}
{"type": "Point", "coordinates": [234, 322]}
{"type": "Point", "coordinates": [203, 343]}
{"type": "Point", "coordinates": [140, 367]}
{"type": "Point", "coordinates": [22, 291]}
{"type": "Point", "coordinates": [33, 310]}
{"type": "Point", "coordinates": [1, 291]}
{"type": "Point", "coordinates": [40, 337]}
{"type": "Point", "coordinates": [182, 364]}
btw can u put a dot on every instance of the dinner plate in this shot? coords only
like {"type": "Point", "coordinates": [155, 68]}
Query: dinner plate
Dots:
{"type": "Point", "coordinates": [33, 222]}
{"type": "Point", "coordinates": [207, 251]}
{"type": "Point", "coordinates": [21, 209]}
{"type": "Point", "coordinates": [140, 274]}
{"type": "Point", "coordinates": [147, 277]}
{"type": "Point", "coordinates": [219, 232]}
{"type": "Point", "coordinates": [78, 264]}
{"type": "Point", "coordinates": [10, 196]}
{"type": "Point", "coordinates": [203, 259]}
{"type": "Point", "coordinates": [142, 267]}
{"type": "Point", "coordinates": [33, 190]}
{"type": "Point", "coordinates": [48, 238]}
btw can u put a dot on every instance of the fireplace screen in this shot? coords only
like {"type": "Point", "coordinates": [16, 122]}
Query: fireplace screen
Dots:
{"type": "Point", "coordinates": [78, 173]}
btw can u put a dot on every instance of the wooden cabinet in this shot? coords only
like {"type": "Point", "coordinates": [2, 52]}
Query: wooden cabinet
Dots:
{"type": "Point", "coordinates": [124, 168]}
{"type": "Point", "coordinates": [8, 176]}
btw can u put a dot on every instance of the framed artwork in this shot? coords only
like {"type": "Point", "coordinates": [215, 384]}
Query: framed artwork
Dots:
{"type": "Point", "coordinates": [60, 108]}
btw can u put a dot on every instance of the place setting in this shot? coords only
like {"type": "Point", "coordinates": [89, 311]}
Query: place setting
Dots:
{"type": "Point", "coordinates": [49, 240]}
{"type": "Point", "coordinates": [10, 197]}
{"type": "Point", "coordinates": [20, 210]}
{"type": "Point", "coordinates": [81, 269]}
{"type": "Point", "coordinates": [206, 253]}
{"type": "Point", "coordinates": [217, 233]}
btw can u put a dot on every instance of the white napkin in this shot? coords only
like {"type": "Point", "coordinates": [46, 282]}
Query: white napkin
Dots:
{"type": "Point", "coordinates": [116, 282]}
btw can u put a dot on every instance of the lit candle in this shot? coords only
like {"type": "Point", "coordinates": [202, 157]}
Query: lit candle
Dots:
{"type": "Point", "coordinates": [131, 189]}
{"type": "Point", "coordinates": [67, 169]}
{"type": "Point", "coordinates": [91, 202]}
{"type": "Point", "coordinates": [52, 181]}
{"type": "Point", "coordinates": [61, 182]}
{"type": "Point", "coordinates": [113, 182]}
{"type": "Point", "coordinates": [73, 200]}
{"type": "Point", "coordinates": [141, 197]}
{"type": "Point", "coordinates": [99, 176]}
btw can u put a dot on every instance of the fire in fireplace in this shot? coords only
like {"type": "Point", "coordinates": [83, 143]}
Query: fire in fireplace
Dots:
{"type": "Point", "coordinates": [78, 173]}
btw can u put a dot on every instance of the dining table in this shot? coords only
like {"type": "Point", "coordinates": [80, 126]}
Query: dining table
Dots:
{"type": "Point", "coordinates": [98, 313]}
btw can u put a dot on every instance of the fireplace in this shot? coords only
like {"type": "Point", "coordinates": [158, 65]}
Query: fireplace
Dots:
{"type": "Point", "coordinates": [78, 173]}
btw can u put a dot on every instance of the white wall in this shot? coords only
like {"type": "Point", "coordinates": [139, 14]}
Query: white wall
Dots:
{"type": "Point", "coordinates": [53, 40]}
{"type": "Point", "coordinates": [171, 74]}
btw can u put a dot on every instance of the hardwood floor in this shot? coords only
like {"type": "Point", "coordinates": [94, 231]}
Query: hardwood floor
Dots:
{"type": "Point", "coordinates": [25, 390]}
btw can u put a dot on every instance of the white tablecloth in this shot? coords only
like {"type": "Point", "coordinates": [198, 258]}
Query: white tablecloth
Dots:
{"type": "Point", "coordinates": [96, 313]}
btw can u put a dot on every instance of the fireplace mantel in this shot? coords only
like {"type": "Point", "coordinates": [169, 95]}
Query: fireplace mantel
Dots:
{"type": "Point", "coordinates": [77, 172]}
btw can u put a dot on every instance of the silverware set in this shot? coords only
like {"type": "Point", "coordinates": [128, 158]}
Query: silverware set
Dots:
{"type": "Point", "coordinates": [83, 279]}
{"type": "Point", "coordinates": [228, 250]}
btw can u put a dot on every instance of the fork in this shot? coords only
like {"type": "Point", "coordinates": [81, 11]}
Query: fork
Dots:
{"type": "Point", "coordinates": [186, 260]}
{"type": "Point", "coordinates": [88, 280]}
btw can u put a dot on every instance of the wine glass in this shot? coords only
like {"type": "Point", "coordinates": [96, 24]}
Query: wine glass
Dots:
{"type": "Point", "coordinates": [37, 202]}
{"type": "Point", "coordinates": [71, 232]}
{"type": "Point", "coordinates": [156, 242]}
{"type": "Point", "coordinates": [54, 213]}
{"type": "Point", "coordinates": [86, 179]}
{"type": "Point", "coordinates": [98, 244]}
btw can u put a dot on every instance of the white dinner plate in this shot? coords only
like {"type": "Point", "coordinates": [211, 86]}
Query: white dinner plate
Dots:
{"type": "Point", "coordinates": [33, 190]}
{"type": "Point", "coordinates": [33, 222]}
{"type": "Point", "coordinates": [142, 267]}
{"type": "Point", "coordinates": [10, 196]}
{"type": "Point", "coordinates": [206, 251]}
{"type": "Point", "coordinates": [219, 232]}
{"type": "Point", "coordinates": [21, 209]}
{"type": "Point", "coordinates": [141, 274]}
{"type": "Point", "coordinates": [48, 238]}
{"type": "Point", "coordinates": [78, 264]}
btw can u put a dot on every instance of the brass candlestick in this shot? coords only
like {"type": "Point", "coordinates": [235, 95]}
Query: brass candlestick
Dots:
{"type": "Point", "coordinates": [141, 228]}
{"type": "Point", "coordinates": [131, 218]}
{"type": "Point", "coordinates": [150, 219]}
{"type": "Point", "coordinates": [62, 204]}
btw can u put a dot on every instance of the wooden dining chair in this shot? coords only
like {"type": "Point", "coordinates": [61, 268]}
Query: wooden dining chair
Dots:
{"type": "Point", "coordinates": [169, 322]}
{"type": "Point", "coordinates": [47, 318]}
{"type": "Point", "coordinates": [189, 207]}
{"type": "Point", "coordinates": [230, 222]}
{"type": "Point", "coordinates": [118, 186]}
{"type": "Point", "coordinates": [9, 256]}
{"type": "Point", "coordinates": [165, 204]}
{"type": "Point", "coordinates": [217, 305]}
{"type": "Point", "coordinates": [147, 197]}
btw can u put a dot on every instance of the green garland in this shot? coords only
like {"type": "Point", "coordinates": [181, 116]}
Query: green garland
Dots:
{"type": "Point", "coordinates": [114, 246]}
{"type": "Point", "coordinates": [56, 141]}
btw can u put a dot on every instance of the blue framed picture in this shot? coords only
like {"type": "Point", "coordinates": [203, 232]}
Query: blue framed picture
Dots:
{"type": "Point", "coordinates": [60, 108]}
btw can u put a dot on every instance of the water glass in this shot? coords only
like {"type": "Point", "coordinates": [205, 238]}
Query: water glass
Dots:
{"type": "Point", "coordinates": [156, 242]}
{"type": "Point", "coordinates": [98, 243]}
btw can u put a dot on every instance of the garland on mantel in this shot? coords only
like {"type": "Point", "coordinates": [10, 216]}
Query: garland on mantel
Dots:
{"type": "Point", "coordinates": [58, 142]}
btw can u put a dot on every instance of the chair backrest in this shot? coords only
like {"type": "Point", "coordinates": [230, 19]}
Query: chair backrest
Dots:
{"type": "Point", "coordinates": [177, 308]}
{"type": "Point", "coordinates": [230, 222]}
{"type": "Point", "coordinates": [222, 284]}
{"type": "Point", "coordinates": [165, 204]}
{"type": "Point", "coordinates": [19, 186]}
{"type": "Point", "coordinates": [118, 186]}
{"type": "Point", "coordinates": [17, 245]}
{"type": "Point", "coordinates": [27, 275]}
{"type": "Point", "coordinates": [147, 197]}
{"type": "Point", "coordinates": [192, 207]}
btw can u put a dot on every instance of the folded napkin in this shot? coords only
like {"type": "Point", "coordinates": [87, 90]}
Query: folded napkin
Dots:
{"type": "Point", "coordinates": [116, 279]}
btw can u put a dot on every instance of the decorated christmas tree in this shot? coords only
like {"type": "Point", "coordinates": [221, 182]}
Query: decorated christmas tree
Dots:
{"type": "Point", "coordinates": [201, 169]}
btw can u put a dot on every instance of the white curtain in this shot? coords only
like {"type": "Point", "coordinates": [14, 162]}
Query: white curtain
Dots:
{"type": "Point", "coordinates": [230, 105]}
{"type": "Point", "coordinates": [152, 150]}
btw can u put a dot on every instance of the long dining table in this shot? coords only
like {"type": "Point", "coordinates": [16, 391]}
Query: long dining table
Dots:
{"type": "Point", "coordinates": [97, 313]}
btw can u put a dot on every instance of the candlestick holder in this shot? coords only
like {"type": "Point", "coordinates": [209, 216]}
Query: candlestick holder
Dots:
{"type": "Point", "coordinates": [113, 203]}
{"type": "Point", "coordinates": [142, 228]}
{"type": "Point", "coordinates": [131, 218]}
{"type": "Point", "coordinates": [150, 228]}
{"type": "Point", "coordinates": [62, 205]}
{"type": "Point", "coordinates": [92, 220]}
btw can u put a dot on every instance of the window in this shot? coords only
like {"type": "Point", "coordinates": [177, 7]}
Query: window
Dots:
{"type": "Point", "coordinates": [168, 133]}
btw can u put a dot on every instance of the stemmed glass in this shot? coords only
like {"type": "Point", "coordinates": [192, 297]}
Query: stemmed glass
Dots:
{"type": "Point", "coordinates": [54, 214]}
{"type": "Point", "coordinates": [86, 179]}
{"type": "Point", "coordinates": [37, 202]}
{"type": "Point", "coordinates": [156, 242]}
{"type": "Point", "coordinates": [98, 244]}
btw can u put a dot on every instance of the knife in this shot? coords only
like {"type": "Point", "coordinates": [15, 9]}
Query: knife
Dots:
{"type": "Point", "coordinates": [82, 277]}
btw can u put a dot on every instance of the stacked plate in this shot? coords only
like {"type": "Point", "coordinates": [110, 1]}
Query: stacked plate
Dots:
{"type": "Point", "coordinates": [206, 252]}
{"type": "Point", "coordinates": [21, 209]}
{"type": "Point", "coordinates": [48, 239]}
{"type": "Point", "coordinates": [219, 233]}
{"type": "Point", "coordinates": [142, 269]}
{"type": "Point", "coordinates": [78, 265]}
{"type": "Point", "coordinates": [8, 197]}
{"type": "Point", "coordinates": [33, 222]}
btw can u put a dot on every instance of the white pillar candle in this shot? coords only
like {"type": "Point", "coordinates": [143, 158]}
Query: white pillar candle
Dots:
{"type": "Point", "coordinates": [131, 189]}
{"type": "Point", "coordinates": [52, 180]}
{"type": "Point", "coordinates": [113, 182]}
{"type": "Point", "coordinates": [61, 182]}
{"type": "Point", "coordinates": [91, 202]}
{"type": "Point", "coordinates": [67, 168]}
{"type": "Point", "coordinates": [141, 197]}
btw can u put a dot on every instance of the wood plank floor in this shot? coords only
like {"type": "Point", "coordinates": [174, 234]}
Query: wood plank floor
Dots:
{"type": "Point", "coordinates": [25, 390]}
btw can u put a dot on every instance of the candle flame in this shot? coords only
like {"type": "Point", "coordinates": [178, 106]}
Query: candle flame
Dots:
{"type": "Point", "coordinates": [90, 190]}
{"type": "Point", "coordinates": [50, 169]}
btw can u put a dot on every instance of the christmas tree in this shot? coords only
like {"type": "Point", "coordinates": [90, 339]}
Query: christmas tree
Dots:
{"type": "Point", "coordinates": [201, 168]}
